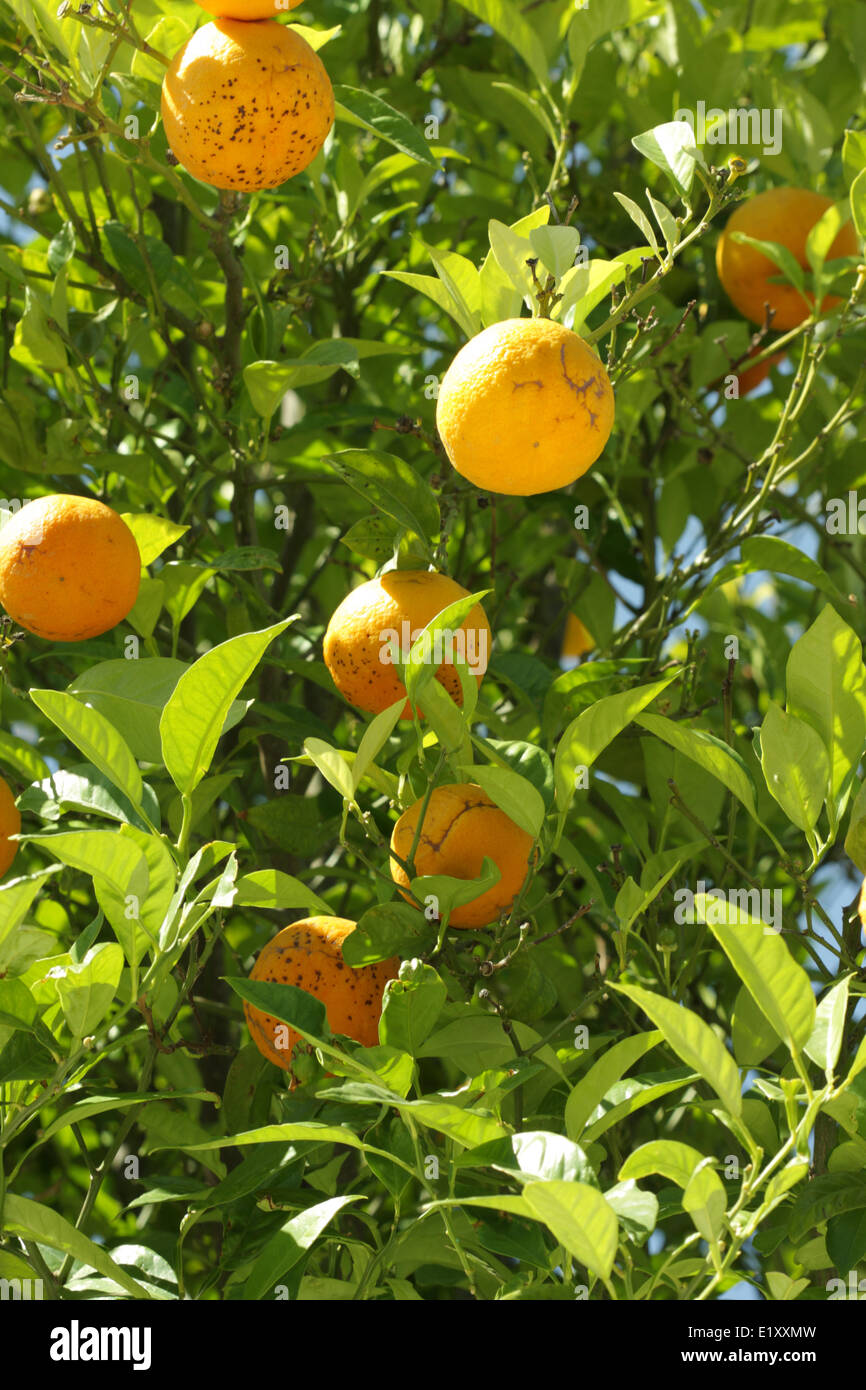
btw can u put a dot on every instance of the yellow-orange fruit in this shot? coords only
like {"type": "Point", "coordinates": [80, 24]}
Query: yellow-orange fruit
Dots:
{"type": "Point", "coordinates": [577, 639]}
{"type": "Point", "coordinates": [378, 622]}
{"type": "Point", "coordinates": [461, 827]}
{"type": "Point", "coordinates": [526, 406]}
{"type": "Point", "coordinates": [248, 9]}
{"type": "Point", "coordinates": [246, 105]}
{"type": "Point", "coordinates": [786, 216]}
{"type": "Point", "coordinates": [749, 378]}
{"type": "Point", "coordinates": [309, 955]}
{"type": "Point", "coordinates": [10, 824]}
{"type": "Point", "coordinates": [69, 568]}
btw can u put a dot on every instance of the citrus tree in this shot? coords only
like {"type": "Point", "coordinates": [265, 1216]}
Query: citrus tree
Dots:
{"type": "Point", "coordinates": [438, 847]}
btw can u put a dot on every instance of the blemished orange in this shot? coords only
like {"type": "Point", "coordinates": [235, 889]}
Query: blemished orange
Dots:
{"type": "Point", "coordinates": [750, 378]}
{"type": "Point", "coordinates": [10, 824]}
{"type": "Point", "coordinates": [786, 216]}
{"type": "Point", "coordinates": [69, 568]}
{"type": "Point", "coordinates": [461, 827]}
{"type": "Point", "coordinates": [577, 639]}
{"type": "Point", "coordinates": [386, 614]}
{"type": "Point", "coordinates": [246, 105]}
{"type": "Point", "coordinates": [309, 955]}
{"type": "Point", "coordinates": [248, 9]}
{"type": "Point", "coordinates": [526, 406]}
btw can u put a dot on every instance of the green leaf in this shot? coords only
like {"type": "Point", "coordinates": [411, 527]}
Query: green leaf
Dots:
{"type": "Point", "coordinates": [858, 203]}
{"type": "Point", "coordinates": [824, 233]}
{"type": "Point", "coordinates": [853, 155]}
{"type": "Point", "coordinates": [33, 1221]}
{"type": "Point", "coordinates": [391, 486]}
{"type": "Point", "coordinates": [37, 341]}
{"type": "Point", "coordinates": [633, 1094]}
{"type": "Point", "coordinates": [826, 1196]}
{"type": "Point", "coordinates": [376, 735]}
{"type": "Point", "coordinates": [61, 248]}
{"type": "Point", "coordinates": [779, 986]}
{"type": "Point", "coordinates": [271, 888]}
{"type": "Point", "coordinates": [855, 840]}
{"type": "Point", "coordinates": [153, 534]}
{"type": "Point", "coordinates": [87, 990]}
{"type": "Point", "coordinates": [637, 1210]}
{"type": "Point", "coordinates": [673, 149]}
{"type": "Point", "coordinates": [267, 382]}
{"type": "Point", "coordinates": [513, 794]}
{"type": "Point", "coordinates": [473, 1044]}
{"type": "Point", "coordinates": [96, 737]}
{"type": "Point", "coordinates": [389, 929]}
{"type": "Point", "coordinates": [412, 1004]}
{"type": "Point", "coordinates": [708, 752]}
{"type": "Point", "coordinates": [589, 734]}
{"type": "Point", "coordinates": [505, 18]}
{"type": "Point", "coordinates": [780, 256]}
{"type": "Point", "coordinates": [826, 686]}
{"type": "Point", "coordinates": [108, 855]}
{"type": "Point", "coordinates": [287, 1003]}
{"type": "Point", "coordinates": [694, 1041]}
{"type": "Point", "coordinates": [118, 1100]}
{"type": "Point", "coordinates": [579, 1218]}
{"type": "Point", "coordinates": [533, 1156]}
{"type": "Point", "coordinates": [795, 766]}
{"type": "Point", "coordinates": [705, 1201]}
{"type": "Point", "coordinates": [639, 218]}
{"type": "Point", "coordinates": [825, 1040]}
{"type": "Point", "coordinates": [283, 1251]}
{"type": "Point", "coordinates": [193, 718]}
{"type": "Point", "coordinates": [133, 694]}
{"type": "Point", "coordinates": [18, 1008]}
{"type": "Point", "coordinates": [752, 1037]}
{"type": "Point", "coordinates": [668, 1157]}
{"type": "Point", "coordinates": [333, 766]}
{"type": "Point", "coordinates": [370, 112]}
{"type": "Point", "coordinates": [590, 1091]}
{"type": "Point", "coordinates": [463, 284]}
{"type": "Point", "coordinates": [772, 553]}
{"type": "Point", "coordinates": [846, 1240]}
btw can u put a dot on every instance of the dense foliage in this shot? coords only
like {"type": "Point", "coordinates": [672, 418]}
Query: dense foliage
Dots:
{"type": "Point", "coordinates": [628, 1089]}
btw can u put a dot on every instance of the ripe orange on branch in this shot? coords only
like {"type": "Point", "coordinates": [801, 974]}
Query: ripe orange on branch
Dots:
{"type": "Point", "coordinates": [246, 105]}
{"type": "Point", "coordinates": [309, 955]}
{"type": "Point", "coordinates": [358, 650]}
{"type": "Point", "coordinates": [461, 827]}
{"type": "Point", "coordinates": [248, 9]}
{"type": "Point", "coordinates": [526, 406]}
{"type": "Point", "coordinates": [69, 568]}
{"type": "Point", "coordinates": [785, 216]}
{"type": "Point", "coordinates": [10, 824]}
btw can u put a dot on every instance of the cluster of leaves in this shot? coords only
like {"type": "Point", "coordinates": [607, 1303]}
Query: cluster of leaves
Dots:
{"type": "Point", "coordinates": [550, 1093]}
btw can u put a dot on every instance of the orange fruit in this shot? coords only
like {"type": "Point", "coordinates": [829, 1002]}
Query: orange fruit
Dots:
{"type": "Point", "coordinates": [246, 105]}
{"type": "Point", "coordinates": [749, 378]}
{"type": "Point", "coordinates": [577, 640]}
{"type": "Point", "coordinates": [69, 568]}
{"type": "Point", "coordinates": [248, 9]}
{"type": "Point", "coordinates": [461, 826]}
{"type": "Point", "coordinates": [309, 955]}
{"type": "Point", "coordinates": [786, 216]}
{"type": "Point", "coordinates": [526, 406]}
{"type": "Point", "coordinates": [380, 619]}
{"type": "Point", "coordinates": [10, 824]}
